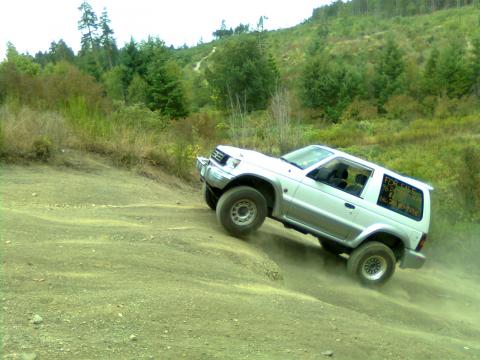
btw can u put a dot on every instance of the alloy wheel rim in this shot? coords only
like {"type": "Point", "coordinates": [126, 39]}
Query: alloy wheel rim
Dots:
{"type": "Point", "coordinates": [243, 212]}
{"type": "Point", "coordinates": [374, 267]}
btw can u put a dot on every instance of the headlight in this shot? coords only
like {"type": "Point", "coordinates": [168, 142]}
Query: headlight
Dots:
{"type": "Point", "coordinates": [232, 163]}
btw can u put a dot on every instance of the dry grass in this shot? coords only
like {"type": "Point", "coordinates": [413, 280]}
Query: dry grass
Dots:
{"type": "Point", "coordinates": [28, 133]}
{"type": "Point", "coordinates": [31, 135]}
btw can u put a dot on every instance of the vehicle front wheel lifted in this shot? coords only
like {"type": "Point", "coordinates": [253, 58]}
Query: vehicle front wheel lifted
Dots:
{"type": "Point", "coordinates": [241, 210]}
{"type": "Point", "coordinates": [372, 263]}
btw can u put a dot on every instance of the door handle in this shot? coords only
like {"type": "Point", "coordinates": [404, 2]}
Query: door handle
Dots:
{"type": "Point", "coordinates": [350, 206]}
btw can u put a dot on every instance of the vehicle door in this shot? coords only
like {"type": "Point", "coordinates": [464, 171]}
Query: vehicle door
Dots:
{"type": "Point", "coordinates": [328, 197]}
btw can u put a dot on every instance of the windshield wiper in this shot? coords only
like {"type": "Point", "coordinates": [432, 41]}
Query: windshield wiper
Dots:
{"type": "Point", "coordinates": [291, 163]}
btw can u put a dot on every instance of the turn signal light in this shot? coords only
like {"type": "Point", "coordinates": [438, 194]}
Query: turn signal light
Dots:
{"type": "Point", "coordinates": [421, 243]}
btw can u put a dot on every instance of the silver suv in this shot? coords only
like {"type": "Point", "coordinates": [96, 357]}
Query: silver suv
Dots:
{"type": "Point", "coordinates": [352, 206]}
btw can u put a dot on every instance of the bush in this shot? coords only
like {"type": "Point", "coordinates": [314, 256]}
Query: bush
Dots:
{"type": "Point", "coordinates": [403, 107]}
{"type": "Point", "coordinates": [42, 148]}
{"type": "Point", "coordinates": [240, 71]}
{"type": "Point", "coordinates": [30, 134]}
{"type": "Point", "coordinates": [469, 179]}
{"type": "Point", "coordinates": [360, 110]}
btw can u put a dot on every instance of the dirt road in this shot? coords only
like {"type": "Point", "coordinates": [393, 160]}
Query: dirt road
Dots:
{"type": "Point", "coordinates": [103, 263]}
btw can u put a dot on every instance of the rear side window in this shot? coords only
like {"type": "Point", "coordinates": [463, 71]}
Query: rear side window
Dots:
{"type": "Point", "coordinates": [402, 198]}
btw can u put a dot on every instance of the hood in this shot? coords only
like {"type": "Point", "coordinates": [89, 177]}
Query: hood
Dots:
{"type": "Point", "coordinates": [258, 159]}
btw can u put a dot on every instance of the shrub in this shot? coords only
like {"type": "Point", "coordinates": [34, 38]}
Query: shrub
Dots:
{"type": "Point", "coordinates": [31, 134]}
{"type": "Point", "coordinates": [403, 107]}
{"type": "Point", "coordinates": [469, 179]}
{"type": "Point", "coordinates": [42, 148]}
{"type": "Point", "coordinates": [360, 110]}
{"type": "Point", "coordinates": [447, 107]}
{"type": "Point", "coordinates": [240, 71]}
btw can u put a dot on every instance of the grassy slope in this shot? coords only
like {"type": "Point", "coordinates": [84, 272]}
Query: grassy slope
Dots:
{"type": "Point", "coordinates": [102, 254]}
{"type": "Point", "coordinates": [358, 38]}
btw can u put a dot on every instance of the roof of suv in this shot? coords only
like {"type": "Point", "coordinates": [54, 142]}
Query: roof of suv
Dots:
{"type": "Point", "coordinates": [374, 166]}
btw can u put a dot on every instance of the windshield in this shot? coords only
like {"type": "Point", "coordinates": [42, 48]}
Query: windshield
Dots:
{"type": "Point", "coordinates": [306, 157]}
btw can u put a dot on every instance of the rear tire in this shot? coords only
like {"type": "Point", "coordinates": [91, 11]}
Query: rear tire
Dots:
{"type": "Point", "coordinates": [209, 197]}
{"type": "Point", "coordinates": [241, 210]}
{"type": "Point", "coordinates": [372, 263]}
{"type": "Point", "coordinates": [331, 247]}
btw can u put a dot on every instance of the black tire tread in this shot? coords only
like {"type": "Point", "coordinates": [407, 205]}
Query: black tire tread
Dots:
{"type": "Point", "coordinates": [229, 198]}
{"type": "Point", "coordinates": [210, 199]}
{"type": "Point", "coordinates": [371, 247]}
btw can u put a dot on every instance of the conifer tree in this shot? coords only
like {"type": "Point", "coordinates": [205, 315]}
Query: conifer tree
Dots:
{"type": "Point", "coordinates": [240, 70]}
{"type": "Point", "coordinates": [476, 64]}
{"type": "Point", "coordinates": [88, 25]}
{"type": "Point", "coordinates": [106, 39]}
{"type": "Point", "coordinates": [390, 71]}
{"type": "Point", "coordinates": [430, 82]}
{"type": "Point", "coordinates": [454, 74]}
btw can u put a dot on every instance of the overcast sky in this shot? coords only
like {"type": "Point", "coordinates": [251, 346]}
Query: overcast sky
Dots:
{"type": "Point", "coordinates": [31, 25]}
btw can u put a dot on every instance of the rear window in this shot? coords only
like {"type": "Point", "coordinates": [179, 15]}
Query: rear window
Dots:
{"type": "Point", "coordinates": [401, 198]}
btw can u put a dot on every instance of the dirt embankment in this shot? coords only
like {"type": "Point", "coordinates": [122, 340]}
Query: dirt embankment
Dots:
{"type": "Point", "coordinates": [102, 263]}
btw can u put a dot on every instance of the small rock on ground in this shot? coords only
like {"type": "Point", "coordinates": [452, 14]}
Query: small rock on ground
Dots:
{"type": "Point", "coordinates": [36, 319]}
{"type": "Point", "coordinates": [328, 353]}
{"type": "Point", "coordinates": [28, 356]}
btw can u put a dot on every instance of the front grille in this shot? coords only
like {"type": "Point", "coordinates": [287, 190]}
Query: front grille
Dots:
{"type": "Point", "coordinates": [219, 156]}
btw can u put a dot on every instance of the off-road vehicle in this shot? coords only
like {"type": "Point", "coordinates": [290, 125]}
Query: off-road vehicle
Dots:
{"type": "Point", "coordinates": [376, 216]}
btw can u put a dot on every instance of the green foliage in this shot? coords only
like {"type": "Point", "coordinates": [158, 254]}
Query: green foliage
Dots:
{"type": "Point", "coordinates": [431, 84]}
{"type": "Point", "coordinates": [112, 81]}
{"type": "Point", "coordinates": [131, 62]}
{"type": "Point", "coordinates": [386, 8]}
{"type": "Point", "coordinates": [239, 71]}
{"type": "Point", "coordinates": [42, 148]}
{"type": "Point", "coordinates": [476, 64]}
{"type": "Point", "coordinates": [360, 110]}
{"type": "Point", "coordinates": [455, 76]}
{"type": "Point", "coordinates": [140, 117]}
{"type": "Point", "coordinates": [390, 69]}
{"type": "Point", "coordinates": [24, 64]}
{"type": "Point", "coordinates": [137, 90]}
{"type": "Point", "coordinates": [222, 32]}
{"type": "Point", "coordinates": [107, 42]}
{"type": "Point", "coordinates": [162, 76]}
{"type": "Point", "coordinates": [329, 85]}
{"type": "Point", "coordinates": [88, 25]}
{"type": "Point", "coordinates": [469, 179]}
{"type": "Point", "coordinates": [59, 51]}
{"type": "Point", "coordinates": [403, 107]}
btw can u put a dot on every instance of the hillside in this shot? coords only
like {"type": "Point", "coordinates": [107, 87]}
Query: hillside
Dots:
{"type": "Point", "coordinates": [102, 263]}
{"type": "Point", "coordinates": [358, 38]}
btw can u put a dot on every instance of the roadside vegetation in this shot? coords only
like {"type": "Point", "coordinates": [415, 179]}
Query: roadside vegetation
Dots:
{"type": "Point", "coordinates": [394, 82]}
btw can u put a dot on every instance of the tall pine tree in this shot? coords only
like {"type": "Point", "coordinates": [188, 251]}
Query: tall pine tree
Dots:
{"type": "Point", "coordinates": [454, 74]}
{"type": "Point", "coordinates": [390, 70]}
{"type": "Point", "coordinates": [430, 82]}
{"type": "Point", "coordinates": [476, 64]}
{"type": "Point", "coordinates": [107, 41]}
{"type": "Point", "coordinates": [88, 25]}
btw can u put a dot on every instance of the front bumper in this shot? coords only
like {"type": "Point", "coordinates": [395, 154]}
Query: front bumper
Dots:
{"type": "Point", "coordinates": [412, 259]}
{"type": "Point", "coordinates": [212, 174]}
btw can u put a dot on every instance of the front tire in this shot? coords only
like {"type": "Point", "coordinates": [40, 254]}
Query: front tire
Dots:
{"type": "Point", "coordinates": [372, 263]}
{"type": "Point", "coordinates": [241, 210]}
{"type": "Point", "coordinates": [209, 197]}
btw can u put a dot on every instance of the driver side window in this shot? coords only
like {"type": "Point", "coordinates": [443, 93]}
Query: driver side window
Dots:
{"type": "Point", "coordinates": [344, 175]}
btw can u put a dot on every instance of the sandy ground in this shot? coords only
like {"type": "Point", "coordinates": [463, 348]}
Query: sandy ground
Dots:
{"type": "Point", "coordinates": [103, 263]}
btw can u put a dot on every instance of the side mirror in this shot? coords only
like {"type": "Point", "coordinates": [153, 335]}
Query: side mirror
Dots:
{"type": "Point", "coordinates": [320, 174]}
